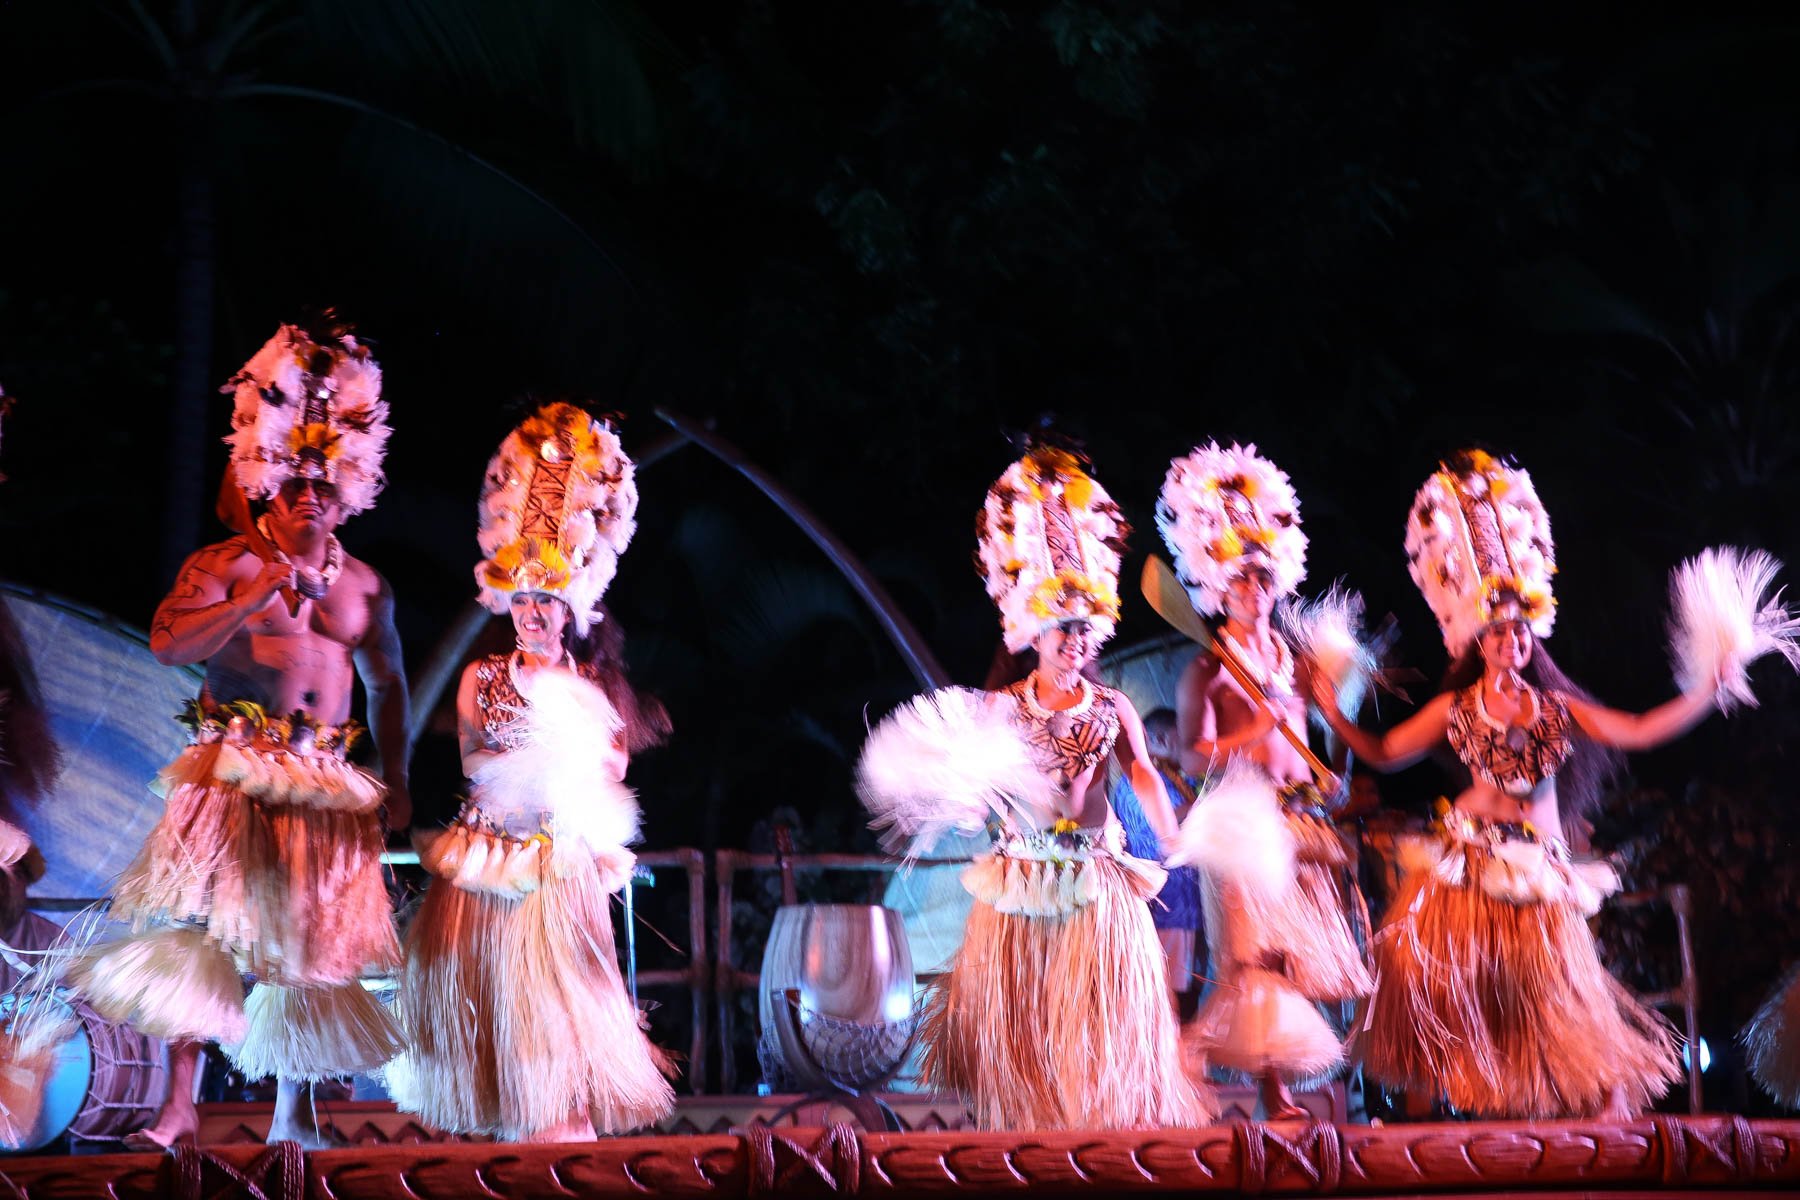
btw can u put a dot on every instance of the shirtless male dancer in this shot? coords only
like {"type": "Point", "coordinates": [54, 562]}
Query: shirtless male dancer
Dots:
{"type": "Point", "coordinates": [267, 858]}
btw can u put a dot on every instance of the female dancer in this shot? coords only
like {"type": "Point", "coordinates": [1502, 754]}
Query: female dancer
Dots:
{"type": "Point", "coordinates": [1054, 1013]}
{"type": "Point", "coordinates": [518, 1023]}
{"type": "Point", "coordinates": [1491, 991]}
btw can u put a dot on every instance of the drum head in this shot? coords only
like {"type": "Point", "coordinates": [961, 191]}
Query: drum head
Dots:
{"type": "Point", "coordinates": [71, 1068]}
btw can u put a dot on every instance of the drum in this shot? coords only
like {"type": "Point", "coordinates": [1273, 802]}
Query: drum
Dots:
{"type": "Point", "coordinates": [106, 1080]}
{"type": "Point", "coordinates": [836, 995]}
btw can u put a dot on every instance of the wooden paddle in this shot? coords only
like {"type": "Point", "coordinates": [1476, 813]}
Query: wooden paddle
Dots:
{"type": "Point", "coordinates": [1162, 588]}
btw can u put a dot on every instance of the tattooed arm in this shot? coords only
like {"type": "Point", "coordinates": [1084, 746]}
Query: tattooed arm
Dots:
{"type": "Point", "coordinates": [210, 602]}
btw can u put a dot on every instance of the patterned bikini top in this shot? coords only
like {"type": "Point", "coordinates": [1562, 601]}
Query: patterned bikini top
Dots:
{"type": "Point", "coordinates": [1065, 744]}
{"type": "Point", "coordinates": [1513, 758]}
{"type": "Point", "coordinates": [498, 702]}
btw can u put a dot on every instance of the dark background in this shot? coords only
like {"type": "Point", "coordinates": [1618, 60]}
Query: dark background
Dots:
{"type": "Point", "coordinates": [865, 241]}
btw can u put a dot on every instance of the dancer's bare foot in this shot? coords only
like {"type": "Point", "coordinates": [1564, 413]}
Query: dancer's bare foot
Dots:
{"type": "Point", "coordinates": [294, 1121]}
{"type": "Point", "coordinates": [1277, 1102]}
{"type": "Point", "coordinates": [178, 1122]}
{"type": "Point", "coordinates": [166, 1133]}
{"type": "Point", "coordinates": [575, 1129]}
{"type": "Point", "coordinates": [1617, 1107]}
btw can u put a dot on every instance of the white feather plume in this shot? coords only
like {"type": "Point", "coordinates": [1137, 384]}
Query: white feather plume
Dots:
{"type": "Point", "coordinates": [1328, 632]}
{"type": "Point", "coordinates": [584, 512]}
{"type": "Point", "coordinates": [563, 764]}
{"type": "Point", "coordinates": [1015, 557]}
{"type": "Point", "coordinates": [1723, 617]}
{"type": "Point", "coordinates": [1236, 832]}
{"type": "Point", "coordinates": [1222, 508]}
{"type": "Point", "coordinates": [947, 761]}
{"type": "Point", "coordinates": [1456, 566]}
{"type": "Point", "coordinates": [269, 405]}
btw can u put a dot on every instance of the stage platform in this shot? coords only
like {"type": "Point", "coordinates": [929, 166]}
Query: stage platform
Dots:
{"type": "Point", "coordinates": [1711, 1156]}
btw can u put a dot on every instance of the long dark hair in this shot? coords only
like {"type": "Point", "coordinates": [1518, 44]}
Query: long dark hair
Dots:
{"type": "Point", "coordinates": [600, 655]}
{"type": "Point", "coordinates": [1582, 781]}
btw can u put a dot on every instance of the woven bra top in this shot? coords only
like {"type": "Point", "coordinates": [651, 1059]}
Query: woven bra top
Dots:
{"type": "Point", "coordinates": [498, 703]}
{"type": "Point", "coordinates": [1513, 758]}
{"type": "Point", "coordinates": [1065, 744]}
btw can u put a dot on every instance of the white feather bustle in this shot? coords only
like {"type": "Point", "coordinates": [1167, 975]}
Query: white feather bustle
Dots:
{"type": "Point", "coordinates": [948, 761]}
{"type": "Point", "coordinates": [590, 522]}
{"type": "Point", "coordinates": [175, 983]}
{"type": "Point", "coordinates": [270, 404]}
{"type": "Point", "coordinates": [1724, 614]}
{"type": "Point", "coordinates": [1453, 567]}
{"type": "Point", "coordinates": [314, 1033]}
{"type": "Point", "coordinates": [1210, 541]}
{"type": "Point", "coordinates": [561, 764]}
{"type": "Point", "coordinates": [1236, 832]}
{"type": "Point", "coordinates": [1026, 577]}
{"type": "Point", "coordinates": [1328, 633]}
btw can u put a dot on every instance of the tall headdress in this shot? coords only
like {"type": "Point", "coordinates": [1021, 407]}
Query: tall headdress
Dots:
{"type": "Point", "coordinates": [1048, 544]}
{"type": "Point", "coordinates": [1478, 534]}
{"type": "Point", "coordinates": [1223, 510]}
{"type": "Point", "coordinates": [558, 507]}
{"type": "Point", "coordinates": [308, 404]}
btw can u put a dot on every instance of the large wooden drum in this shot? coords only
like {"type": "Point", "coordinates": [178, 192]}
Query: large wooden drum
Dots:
{"type": "Point", "coordinates": [106, 1080]}
{"type": "Point", "coordinates": [836, 997]}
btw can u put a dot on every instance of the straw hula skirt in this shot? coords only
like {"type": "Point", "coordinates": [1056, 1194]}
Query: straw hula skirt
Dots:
{"type": "Point", "coordinates": [1278, 954]}
{"type": "Point", "coordinates": [1491, 991]}
{"type": "Point", "coordinates": [267, 861]}
{"type": "Point", "coordinates": [516, 1015]}
{"type": "Point", "coordinates": [1054, 1013]}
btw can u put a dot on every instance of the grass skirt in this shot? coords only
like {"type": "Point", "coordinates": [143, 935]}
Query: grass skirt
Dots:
{"type": "Point", "coordinates": [265, 862]}
{"type": "Point", "coordinates": [1056, 1015]}
{"type": "Point", "coordinates": [517, 1017]}
{"type": "Point", "coordinates": [1491, 991]}
{"type": "Point", "coordinates": [1772, 1041]}
{"type": "Point", "coordinates": [1281, 943]}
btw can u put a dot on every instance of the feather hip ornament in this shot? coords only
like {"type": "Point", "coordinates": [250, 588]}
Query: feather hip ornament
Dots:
{"type": "Point", "coordinates": [1236, 832]}
{"type": "Point", "coordinates": [563, 764]}
{"type": "Point", "coordinates": [1725, 613]}
{"type": "Point", "coordinates": [948, 761]}
{"type": "Point", "coordinates": [1328, 633]}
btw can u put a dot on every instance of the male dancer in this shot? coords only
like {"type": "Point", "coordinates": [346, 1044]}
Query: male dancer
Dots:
{"type": "Point", "coordinates": [267, 858]}
{"type": "Point", "coordinates": [1231, 519]}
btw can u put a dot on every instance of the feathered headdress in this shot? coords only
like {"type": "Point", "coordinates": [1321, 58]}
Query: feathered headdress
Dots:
{"type": "Point", "coordinates": [1048, 544]}
{"type": "Point", "coordinates": [1478, 534]}
{"type": "Point", "coordinates": [1223, 510]}
{"type": "Point", "coordinates": [308, 404]}
{"type": "Point", "coordinates": [557, 510]}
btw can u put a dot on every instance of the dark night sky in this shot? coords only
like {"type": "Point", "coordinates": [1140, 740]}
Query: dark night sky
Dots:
{"type": "Point", "coordinates": [867, 239]}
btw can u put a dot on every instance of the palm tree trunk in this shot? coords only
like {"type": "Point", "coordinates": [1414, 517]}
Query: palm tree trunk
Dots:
{"type": "Point", "coordinates": [184, 458]}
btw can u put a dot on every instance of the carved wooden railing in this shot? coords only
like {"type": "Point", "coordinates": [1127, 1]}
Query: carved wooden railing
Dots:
{"type": "Point", "coordinates": [1667, 1155]}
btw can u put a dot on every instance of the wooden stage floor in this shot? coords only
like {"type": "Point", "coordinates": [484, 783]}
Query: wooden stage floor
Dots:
{"type": "Point", "coordinates": [1714, 1156]}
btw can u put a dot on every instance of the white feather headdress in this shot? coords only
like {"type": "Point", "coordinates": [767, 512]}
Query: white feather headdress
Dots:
{"type": "Point", "coordinates": [309, 408]}
{"type": "Point", "coordinates": [1479, 534]}
{"type": "Point", "coordinates": [557, 509]}
{"type": "Point", "coordinates": [1224, 509]}
{"type": "Point", "coordinates": [1048, 544]}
